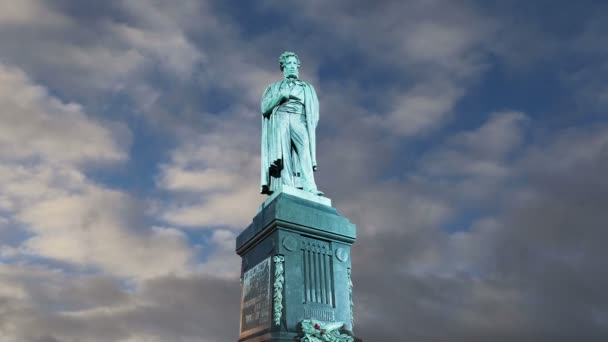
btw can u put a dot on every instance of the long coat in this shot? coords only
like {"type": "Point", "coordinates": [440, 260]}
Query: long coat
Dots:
{"type": "Point", "coordinates": [271, 139]}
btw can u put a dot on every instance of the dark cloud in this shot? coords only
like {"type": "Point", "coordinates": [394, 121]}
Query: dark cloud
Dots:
{"type": "Point", "coordinates": [397, 154]}
{"type": "Point", "coordinates": [535, 272]}
{"type": "Point", "coordinates": [164, 309]}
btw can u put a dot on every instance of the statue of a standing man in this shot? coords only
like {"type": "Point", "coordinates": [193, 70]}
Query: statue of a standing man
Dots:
{"type": "Point", "coordinates": [290, 113]}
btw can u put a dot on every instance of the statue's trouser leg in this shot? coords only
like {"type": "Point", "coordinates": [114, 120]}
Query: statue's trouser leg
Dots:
{"type": "Point", "coordinates": [299, 137]}
{"type": "Point", "coordinates": [283, 138]}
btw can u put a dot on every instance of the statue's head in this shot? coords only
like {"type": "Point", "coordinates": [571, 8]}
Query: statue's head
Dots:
{"type": "Point", "coordinates": [290, 64]}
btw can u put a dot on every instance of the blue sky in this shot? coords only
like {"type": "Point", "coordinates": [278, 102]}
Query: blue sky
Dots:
{"type": "Point", "coordinates": [467, 140]}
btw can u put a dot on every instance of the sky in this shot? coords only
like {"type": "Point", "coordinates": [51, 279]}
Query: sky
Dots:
{"type": "Point", "coordinates": [467, 140]}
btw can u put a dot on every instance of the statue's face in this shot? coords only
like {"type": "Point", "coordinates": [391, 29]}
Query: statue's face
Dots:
{"type": "Point", "coordinates": [291, 67]}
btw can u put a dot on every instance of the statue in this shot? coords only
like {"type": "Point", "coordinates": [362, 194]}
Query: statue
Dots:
{"type": "Point", "coordinates": [290, 113]}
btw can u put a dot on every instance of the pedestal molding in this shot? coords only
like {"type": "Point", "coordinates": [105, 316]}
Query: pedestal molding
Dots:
{"type": "Point", "coordinates": [294, 227]}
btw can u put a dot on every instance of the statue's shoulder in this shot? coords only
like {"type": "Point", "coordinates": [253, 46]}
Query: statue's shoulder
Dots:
{"type": "Point", "coordinates": [275, 84]}
{"type": "Point", "coordinates": [306, 84]}
{"type": "Point", "coordinates": [309, 86]}
{"type": "Point", "coordinates": [272, 87]}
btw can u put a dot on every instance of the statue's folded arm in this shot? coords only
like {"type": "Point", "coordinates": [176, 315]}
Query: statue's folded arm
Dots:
{"type": "Point", "coordinates": [270, 100]}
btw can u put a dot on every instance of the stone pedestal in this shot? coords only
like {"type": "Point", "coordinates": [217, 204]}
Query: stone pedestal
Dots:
{"type": "Point", "coordinates": [296, 269]}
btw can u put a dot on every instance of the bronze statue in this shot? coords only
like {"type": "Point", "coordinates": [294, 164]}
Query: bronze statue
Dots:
{"type": "Point", "coordinates": [290, 113]}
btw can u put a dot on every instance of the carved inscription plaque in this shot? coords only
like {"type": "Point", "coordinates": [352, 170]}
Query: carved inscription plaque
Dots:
{"type": "Point", "coordinates": [319, 314]}
{"type": "Point", "coordinates": [256, 299]}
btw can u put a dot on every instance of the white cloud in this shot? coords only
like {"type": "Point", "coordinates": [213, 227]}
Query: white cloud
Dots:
{"type": "Point", "coordinates": [94, 229]}
{"type": "Point", "coordinates": [88, 226]}
{"type": "Point", "coordinates": [79, 57]}
{"type": "Point", "coordinates": [496, 138]}
{"type": "Point", "coordinates": [444, 42]}
{"type": "Point", "coordinates": [37, 125]}
{"type": "Point", "coordinates": [44, 144]}
{"type": "Point", "coordinates": [519, 273]}
{"type": "Point", "coordinates": [177, 179]}
{"type": "Point", "coordinates": [29, 12]}
{"type": "Point", "coordinates": [472, 165]}
{"type": "Point", "coordinates": [44, 304]}
{"type": "Point", "coordinates": [421, 109]}
{"type": "Point", "coordinates": [223, 262]}
{"type": "Point", "coordinates": [439, 47]}
{"type": "Point", "coordinates": [212, 179]}
{"type": "Point", "coordinates": [234, 209]}
{"type": "Point", "coordinates": [170, 49]}
{"type": "Point", "coordinates": [506, 275]}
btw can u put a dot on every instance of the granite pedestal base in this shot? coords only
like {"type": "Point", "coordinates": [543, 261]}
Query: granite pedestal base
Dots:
{"type": "Point", "coordinates": [295, 267]}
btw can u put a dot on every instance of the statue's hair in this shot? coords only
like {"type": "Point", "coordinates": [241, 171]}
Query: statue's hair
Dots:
{"type": "Point", "coordinates": [284, 56]}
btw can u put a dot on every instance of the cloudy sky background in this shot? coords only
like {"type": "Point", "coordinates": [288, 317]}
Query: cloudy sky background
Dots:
{"type": "Point", "coordinates": [468, 142]}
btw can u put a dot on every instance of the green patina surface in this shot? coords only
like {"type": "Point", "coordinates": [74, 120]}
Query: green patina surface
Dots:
{"type": "Point", "coordinates": [310, 245]}
{"type": "Point", "coordinates": [290, 114]}
{"type": "Point", "coordinates": [279, 280]}
{"type": "Point", "coordinates": [296, 227]}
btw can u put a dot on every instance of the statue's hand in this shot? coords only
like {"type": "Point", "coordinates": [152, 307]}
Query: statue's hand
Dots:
{"type": "Point", "coordinates": [314, 167]}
